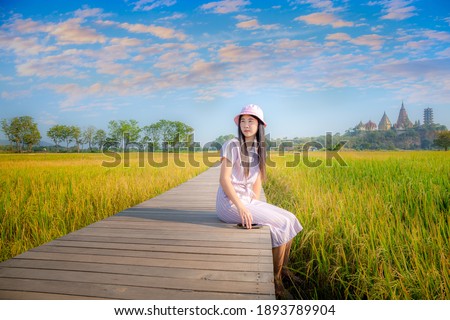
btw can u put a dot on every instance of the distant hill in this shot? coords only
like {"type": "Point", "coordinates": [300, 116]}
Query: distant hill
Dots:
{"type": "Point", "coordinates": [46, 144]}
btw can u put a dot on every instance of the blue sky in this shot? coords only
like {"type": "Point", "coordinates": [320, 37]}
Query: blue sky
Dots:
{"type": "Point", "coordinates": [313, 66]}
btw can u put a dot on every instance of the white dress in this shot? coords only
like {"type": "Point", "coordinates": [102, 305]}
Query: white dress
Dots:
{"type": "Point", "coordinates": [283, 224]}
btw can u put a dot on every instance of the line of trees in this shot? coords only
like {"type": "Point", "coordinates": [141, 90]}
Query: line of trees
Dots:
{"type": "Point", "coordinates": [124, 135]}
{"type": "Point", "coordinates": [23, 134]}
{"type": "Point", "coordinates": [68, 134]}
{"type": "Point", "coordinates": [417, 138]}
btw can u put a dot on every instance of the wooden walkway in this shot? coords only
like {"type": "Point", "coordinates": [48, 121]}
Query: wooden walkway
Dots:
{"type": "Point", "coordinates": [169, 247]}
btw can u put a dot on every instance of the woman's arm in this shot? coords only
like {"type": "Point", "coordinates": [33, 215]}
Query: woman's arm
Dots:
{"type": "Point", "coordinates": [257, 188]}
{"type": "Point", "coordinates": [225, 182]}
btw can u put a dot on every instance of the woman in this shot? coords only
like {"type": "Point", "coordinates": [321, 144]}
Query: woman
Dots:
{"type": "Point", "coordinates": [242, 171]}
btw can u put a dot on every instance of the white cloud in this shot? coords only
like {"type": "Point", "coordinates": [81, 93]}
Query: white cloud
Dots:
{"type": "Point", "coordinates": [11, 95]}
{"type": "Point", "coordinates": [396, 9]}
{"type": "Point", "coordinates": [62, 65]}
{"type": "Point", "coordinates": [339, 37]}
{"type": "Point", "coordinates": [444, 53]}
{"type": "Point", "coordinates": [87, 12]}
{"type": "Point", "coordinates": [435, 68]}
{"type": "Point", "coordinates": [174, 16]}
{"type": "Point", "coordinates": [174, 61]}
{"type": "Point", "coordinates": [71, 32]}
{"type": "Point", "coordinates": [325, 5]}
{"type": "Point", "coordinates": [23, 46]}
{"type": "Point", "coordinates": [157, 31]}
{"type": "Point", "coordinates": [322, 18]}
{"type": "Point", "coordinates": [225, 6]}
{"type": "Point", "coordinates": [234, 53]}
{"type": "Point", "coordinates": [447, 20]}
{"type": "Point", "coordinates": [67, 32]}
{"type": "Point", "coordinates": [437, 35]}
{"type": "Point", "coordinates": [254, 25]}
{"type": "Point", "coordinates": [242, 17]}
{"type": "Point", "coordinates": [127, 42]}
{"type": "Point", "coordinates": [374, 41]}
{"type": "Point", "coordinates": [25, 26]}
{"type": "Point", "coordinates": [147, 5]}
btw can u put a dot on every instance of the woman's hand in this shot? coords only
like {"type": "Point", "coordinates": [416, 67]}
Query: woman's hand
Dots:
{"type": "Point", "coordinates": [225, 182]}
{"type": "Point", "coordinates": [246, 216]}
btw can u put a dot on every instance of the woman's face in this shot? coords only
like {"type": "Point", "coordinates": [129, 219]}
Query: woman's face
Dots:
{"type": "Point", "coordinates": [249, 126]}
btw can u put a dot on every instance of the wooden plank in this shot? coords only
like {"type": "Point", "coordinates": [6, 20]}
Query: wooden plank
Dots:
{"type": "Point", "coordinates": [136, 281]}
{"type": "Point", "coordinates": [28, 295]}
{"type": "Point", "coordinates": [111, 291]}
{"type": "Point", "coordinates": [148, 254]}
{"type": "Point", "coordinates": [169, 242]}
{"type": "Point", "coordinates": [162, 248]}
{"type": "Point", "coordinates": [179, 273]}
{"type": "Point", "coordinates": [245, 237]}
{"type": "Point", "coordinates": [168, 263]}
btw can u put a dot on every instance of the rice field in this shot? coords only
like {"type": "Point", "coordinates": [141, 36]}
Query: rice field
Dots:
{"type": "Point", "coordinates": [45, 196]}
{"type": "Point", "coordinates": [377, 228]}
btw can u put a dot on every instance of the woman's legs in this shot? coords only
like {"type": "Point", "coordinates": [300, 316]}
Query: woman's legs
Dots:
{"type": "Point", "coordinates": [280, 259]}
{"type": "Point", "coordinates": [287, 251]}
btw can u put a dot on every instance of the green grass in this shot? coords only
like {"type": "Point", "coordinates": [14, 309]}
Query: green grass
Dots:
{"type": "Point", "coordinates": [375, 229]}
{"type": "Point", "coordinates": [43, 197]}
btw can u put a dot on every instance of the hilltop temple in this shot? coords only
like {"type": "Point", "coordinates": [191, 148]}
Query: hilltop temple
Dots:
{"type": "Point", "coordinates": [385, 124]}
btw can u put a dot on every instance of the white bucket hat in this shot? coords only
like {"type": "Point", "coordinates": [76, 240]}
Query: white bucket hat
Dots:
{"type": "Point", "coordinates": [253, 110]}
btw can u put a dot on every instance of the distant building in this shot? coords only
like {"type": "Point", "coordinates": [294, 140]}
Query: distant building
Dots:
{"type": "Point", "coordinates": [385, 123]}
{"type": "Point", "coordinates": [403, 121]}
{"type": "Point", "coordinates": [428, 116]}
{"type": "Point", "coordinates": [360, 127]}
{"type": "Point", "coordinates": [371, 126]}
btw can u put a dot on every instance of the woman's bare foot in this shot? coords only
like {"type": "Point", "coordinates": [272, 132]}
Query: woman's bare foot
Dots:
{"type": "Point", "coordinates": [289, 275]}
{"type": "Point", "coordinates": [280, 291]}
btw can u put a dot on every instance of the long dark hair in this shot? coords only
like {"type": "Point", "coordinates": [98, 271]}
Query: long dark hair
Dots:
{"type": "Point", "coordinates": [260, 147]}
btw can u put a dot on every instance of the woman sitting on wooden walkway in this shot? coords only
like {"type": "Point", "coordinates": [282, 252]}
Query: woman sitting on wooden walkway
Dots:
{"type": "Point", "coordinates": [242, 172]}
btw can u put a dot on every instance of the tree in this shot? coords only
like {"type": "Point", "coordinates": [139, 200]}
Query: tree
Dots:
{"type": "Point", "coordinates": [56, 133]}
{"type": "Point", "coordinates": [32, 137]}
{"type": "Point", "coordinates": [75, 132]}
{"type": "Point", "coordinates": [222, 139]}
{"type": "Point", "coordinates": [124, 131]}
{"type": "Point", "coordinates": [443, 140]}
{"type": "Point", "coordinates": [99, 138]}
{"type": "Point", "coordinates": [6, 128]}
{"type": "Point", "coordinates": [21, 131]}
{"type": "Point", "coordinates": [152, 133]}
{"type": "Point", "coordinates": [88, 136]}
{"type": "Point", "coordinates": [183, 133]}
{"type": "Point", "coordinates": [67, 135]}
{"type": "Point", "coordinates": [168, 132]}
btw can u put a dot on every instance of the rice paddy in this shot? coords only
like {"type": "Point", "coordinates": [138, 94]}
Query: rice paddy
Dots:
{"type": "Point", "coordinates": [43, 197]}
{"type": "Point", "coordinates": [377, 228]}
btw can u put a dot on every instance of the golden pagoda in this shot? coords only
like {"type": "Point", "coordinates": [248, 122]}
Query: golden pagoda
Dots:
{"type": "Point", "coordinates": [385, 123]}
